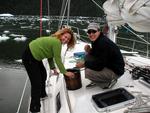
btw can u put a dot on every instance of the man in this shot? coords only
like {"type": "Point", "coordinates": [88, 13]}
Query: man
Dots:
{"type": "Point", "coordinates": [104, 62]}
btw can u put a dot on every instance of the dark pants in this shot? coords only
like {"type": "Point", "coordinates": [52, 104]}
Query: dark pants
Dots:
{"type": "Point", "coordinates": [37, 75]}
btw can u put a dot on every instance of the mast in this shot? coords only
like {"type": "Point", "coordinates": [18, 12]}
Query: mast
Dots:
{"type": "Point", "coordinates": [113, 32]}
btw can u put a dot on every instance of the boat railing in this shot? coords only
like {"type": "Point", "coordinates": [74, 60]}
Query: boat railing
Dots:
{"type": "Point", "coordinates": [81, 36]}
{"type": "Point", "coordinates": [128, 44]}
{"type": "Point", "coordinates": [134, 45]}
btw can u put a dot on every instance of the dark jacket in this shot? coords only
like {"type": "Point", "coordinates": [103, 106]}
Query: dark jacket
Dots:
{"type": "Point", "coordinates": [105, 53]}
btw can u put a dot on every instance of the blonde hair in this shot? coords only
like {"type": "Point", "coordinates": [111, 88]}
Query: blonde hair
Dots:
{"type": "Point", "coordinates": [60, 32]}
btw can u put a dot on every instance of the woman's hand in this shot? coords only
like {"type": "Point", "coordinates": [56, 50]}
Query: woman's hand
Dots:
{"type": "Point", "coordinates": [80, 64]}
{"type": "Point", "coordinates": [69, 74]}
{"type": "Point", "coordinates": [55, 72]}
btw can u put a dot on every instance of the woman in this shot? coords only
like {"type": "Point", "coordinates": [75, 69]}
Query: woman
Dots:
{"type": "Point", "coordinates": [45, 47]}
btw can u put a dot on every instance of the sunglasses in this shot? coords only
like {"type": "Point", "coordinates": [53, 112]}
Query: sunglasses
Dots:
{"type": "Point", "coordinates": [91, 31]}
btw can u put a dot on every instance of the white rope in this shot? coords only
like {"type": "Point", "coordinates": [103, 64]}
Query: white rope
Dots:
{"type": "Point", "coordinates": [97, 5]}
{"type": "Point", "coordinates": [68, 13]}
{"type": "Point", "coordinates": [22, 95]}
{"type": "Point", "coordinates": [60, 24]}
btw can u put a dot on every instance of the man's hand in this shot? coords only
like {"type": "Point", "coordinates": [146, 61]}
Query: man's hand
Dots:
{"type": "Point", "coordinates": [87, 48]}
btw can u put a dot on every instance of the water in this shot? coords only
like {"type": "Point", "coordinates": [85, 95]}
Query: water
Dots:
{"type": "Point", "coordinates": [11, 29]}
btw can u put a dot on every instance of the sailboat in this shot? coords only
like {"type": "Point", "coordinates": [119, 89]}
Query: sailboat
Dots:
{"type": "Point", "coordinates": [131, 94]}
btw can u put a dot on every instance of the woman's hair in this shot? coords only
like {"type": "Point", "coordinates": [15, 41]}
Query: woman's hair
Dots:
{"type": "Point", "coordinates": [60, 32]}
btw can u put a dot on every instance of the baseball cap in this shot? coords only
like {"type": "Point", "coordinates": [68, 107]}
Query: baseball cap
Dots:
{"type": "Point", "coordinates": [93, 26]}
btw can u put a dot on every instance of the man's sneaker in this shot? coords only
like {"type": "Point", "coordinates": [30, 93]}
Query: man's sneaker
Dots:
{"type": "Point", "coordinates": [34, 112]}
{"type": "Point", "coordinates": [43, 97]}
{"type": "Point", "coordinates": [34, 109]}
{"type": "Point", "coordinates": [111, 84]}
{"type": "Point", "coordinates": [91, 85]}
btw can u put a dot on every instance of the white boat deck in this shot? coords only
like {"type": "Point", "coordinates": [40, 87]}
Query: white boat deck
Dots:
{"type": "Point", "coordinates": [80, 100]}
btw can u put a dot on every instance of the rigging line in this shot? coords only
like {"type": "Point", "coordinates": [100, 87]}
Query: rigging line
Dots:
{"type": "Point", "coordinates": [68, 13]}
{"type": "Point", "coordinates": [97, 5]}
{"type": "Point", "coordinates": [60, 24]}
{"type": "Point", "coordinates": [136, 34]}
{"type": "Point", "coordinates": [22, 95]}
{"type": "Point", "coordinates": [48, 14]}
{"type": "Point", "coordinates": [29, 105]}
{"type": "Point", "coordinates": [63, 11]}
{"type": "Point", "coordinates": [62, 7]}
{"type": "Point", "coordinates": [40, 18]}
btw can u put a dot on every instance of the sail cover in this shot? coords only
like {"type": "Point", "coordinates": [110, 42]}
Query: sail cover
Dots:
{"type": "Point", "coordinates": [136, 13]}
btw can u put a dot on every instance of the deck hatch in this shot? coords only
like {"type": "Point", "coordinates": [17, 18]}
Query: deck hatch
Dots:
{"type": "Point", "coordinates": [113, 99]}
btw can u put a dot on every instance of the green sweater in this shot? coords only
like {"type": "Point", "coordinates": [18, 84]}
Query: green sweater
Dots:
{"type": "Point", "coordinates": [48, 47]}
